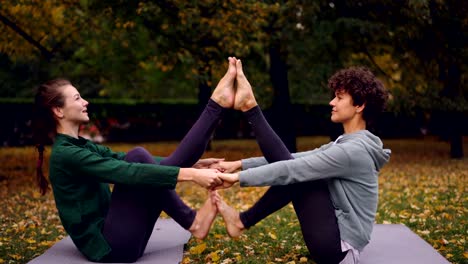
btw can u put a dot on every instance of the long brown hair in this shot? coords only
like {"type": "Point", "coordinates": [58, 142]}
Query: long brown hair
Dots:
{"type": "Point", "coordinates": [48, 96]}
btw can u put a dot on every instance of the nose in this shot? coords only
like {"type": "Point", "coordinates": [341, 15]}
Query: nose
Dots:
{"type": "Point", "coordinates": [332, 102]}
{"type": "Point", "coordinates": [85, 103]}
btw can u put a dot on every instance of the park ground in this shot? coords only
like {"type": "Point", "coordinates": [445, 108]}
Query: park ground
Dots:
{"type": "Point", "coordinates": [420, 187]}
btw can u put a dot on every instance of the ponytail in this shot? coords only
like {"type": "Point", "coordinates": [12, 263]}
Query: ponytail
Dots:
{"type": "Point", "coordinates": [48, 96]}
{"type": "Point", "coordinates": [41, 179]}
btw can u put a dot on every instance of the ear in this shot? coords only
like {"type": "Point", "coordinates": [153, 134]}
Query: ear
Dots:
{"type": "Point", "coordinates": [360, 108]}
{"type": "Point", "coordinates": [58, 112]}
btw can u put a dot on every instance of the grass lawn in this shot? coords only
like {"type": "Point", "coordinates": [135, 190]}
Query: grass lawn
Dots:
{"type": "Point", "coordinates": [420, 187]}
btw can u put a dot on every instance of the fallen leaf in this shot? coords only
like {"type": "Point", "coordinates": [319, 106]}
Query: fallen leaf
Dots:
{"type": "Point", "coordinates": [197, 250]}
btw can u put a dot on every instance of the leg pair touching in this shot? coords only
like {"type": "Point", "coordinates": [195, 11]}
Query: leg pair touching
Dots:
{"type": "Point", "coordinates": [234, 90]}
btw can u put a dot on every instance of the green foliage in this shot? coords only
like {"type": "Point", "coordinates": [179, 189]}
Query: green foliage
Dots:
{"type": "Point", "coordinates": [164, 49]}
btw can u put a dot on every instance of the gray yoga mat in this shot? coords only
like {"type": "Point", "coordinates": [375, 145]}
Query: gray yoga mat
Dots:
{"type": "Point", "coordinates": [397, 244]}
{"type": "Point", "coordinates": [390, 244]}
{"type": "Point", "coordinates": [166, 246]}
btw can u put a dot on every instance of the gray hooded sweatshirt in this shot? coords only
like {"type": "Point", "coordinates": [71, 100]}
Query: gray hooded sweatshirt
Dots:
{"type": "Point", "coordinates": [350, 165]}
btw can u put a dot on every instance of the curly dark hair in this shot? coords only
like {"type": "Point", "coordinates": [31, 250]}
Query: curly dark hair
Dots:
{"type": "Point", "coordinates": [363, 87]}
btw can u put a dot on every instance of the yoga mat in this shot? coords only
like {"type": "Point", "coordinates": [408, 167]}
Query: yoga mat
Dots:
{"type": "Point", "coordinates": [390, 244]}
{"type": "Point", "coordinates": [166, 245]}
{"type": "Point", "coordinates": [397, 244]}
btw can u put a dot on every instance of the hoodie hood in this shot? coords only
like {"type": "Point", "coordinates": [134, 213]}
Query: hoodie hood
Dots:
{"type": "Point", "coordinates": [372, 144]}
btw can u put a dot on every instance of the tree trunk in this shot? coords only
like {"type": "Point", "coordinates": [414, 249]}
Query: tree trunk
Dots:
{"type": "Point", "coordinates": [452, 91]}
{"type": "Point", "coordinates": [282, 116]}
{"type": "Point", "coordinates": [456, 140]}
{"type": "Point", "coordinates": [450, 63]}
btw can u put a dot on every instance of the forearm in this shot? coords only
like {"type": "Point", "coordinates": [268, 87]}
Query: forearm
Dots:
{"type": "Point", "coordinates": [186, 174]}
{"type": "Point", "coordinates": [327, 164]}
{"type": "Point", "coordinates": [252, 162]}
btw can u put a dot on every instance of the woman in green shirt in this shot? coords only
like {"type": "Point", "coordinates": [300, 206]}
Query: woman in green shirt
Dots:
{"type": "Point", "coordinates": [115, 227]}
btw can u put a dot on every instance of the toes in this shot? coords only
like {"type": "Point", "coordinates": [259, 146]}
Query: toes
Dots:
{"type": "Point", "coordinates": [239, 67]}
{"type": "Point", "coordinates": [232, 67]}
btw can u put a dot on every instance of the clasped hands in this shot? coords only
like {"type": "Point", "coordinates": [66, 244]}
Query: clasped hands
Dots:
{"type": "Point", "coordinates": [215, 174]}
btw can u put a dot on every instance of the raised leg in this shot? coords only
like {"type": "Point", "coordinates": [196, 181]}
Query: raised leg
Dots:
{"type": "Point", "coordinates": [194, 143]}
{"type": "Point", "coordinates": [269, 142]}
{"type": "Point", "coordinates": [311, 200]}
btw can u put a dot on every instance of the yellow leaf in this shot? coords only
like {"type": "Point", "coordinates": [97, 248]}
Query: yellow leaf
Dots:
{"type": "Point", "coordinates": [14, 256]}
{"type": "Point", "coordinates": [465, 254]}
{"type": "Point", "coordinates": [214, 256]}
{"type": "Point", "coordinates": [197, 250]}
{"type": "Point", "coordinates": [303, 260]}
{"type": "Point", "coordinates": [404, 214]}
{"type": "Point", "coordinates": [30, 241]}
{"type": "Point", "coordinates": [425, 232]}
{"type": "Point", "coordinates": [46, 243]}
{"type": "Point", "coordinates": [443, 241]}
{"type": "Point", "coordinates": [273, 236]}
{"type": "Point", "coordinates": [2, 261]}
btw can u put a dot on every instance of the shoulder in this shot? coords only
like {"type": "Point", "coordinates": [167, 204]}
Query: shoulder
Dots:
{"type": "Point", "coordinates": [355, 148]}
{"type": "Point", "coordinates": [66, 151]}
{"type": "Point", "coordinates": [361, 139]}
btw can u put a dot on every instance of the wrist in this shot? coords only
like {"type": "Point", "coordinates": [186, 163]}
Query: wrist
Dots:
{"type": "Point", "coordinates": [186, 174]}
{"type": "Point", "coordinates": [239, 164]}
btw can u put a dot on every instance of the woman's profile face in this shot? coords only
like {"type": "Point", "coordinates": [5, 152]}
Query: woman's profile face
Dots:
{"type": "Point", "coordinates": [75, 109]}
{"type": "Point", "coordinates": [343, 109]}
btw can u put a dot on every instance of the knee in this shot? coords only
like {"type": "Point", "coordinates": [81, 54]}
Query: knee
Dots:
{"type": "Point", "coordinates": [139, 155]}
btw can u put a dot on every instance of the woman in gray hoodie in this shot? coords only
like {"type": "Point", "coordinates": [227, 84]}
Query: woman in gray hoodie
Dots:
{"type": "Point", "coordinates": [334, 188]}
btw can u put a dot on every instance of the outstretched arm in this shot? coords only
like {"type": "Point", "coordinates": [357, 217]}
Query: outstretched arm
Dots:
{"type": "Point", "coordinates": [332, 162]}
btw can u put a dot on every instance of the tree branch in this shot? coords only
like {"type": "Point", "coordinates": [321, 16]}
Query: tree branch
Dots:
{"type": "Point", "coordinates": [366, 51]}
{"type": "Point", "coordinates": [44, 52]}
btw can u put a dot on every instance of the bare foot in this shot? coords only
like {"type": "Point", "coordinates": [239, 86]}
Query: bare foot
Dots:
{"type": "Point", "coordinates": [234, 225]}
{"type": "Point", "coordinates": [203, 220]}
{"type": "Point", "coordinates": [245, 99]}
{"type": "Point", "coordinates": [224, 92]}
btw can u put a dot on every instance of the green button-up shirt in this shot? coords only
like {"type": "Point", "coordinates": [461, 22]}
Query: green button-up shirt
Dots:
{"type": "Point", "coordinates": [79, 172]}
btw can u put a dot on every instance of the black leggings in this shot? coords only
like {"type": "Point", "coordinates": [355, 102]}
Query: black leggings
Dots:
{"type": "Point", "coordinates": [134, 209]}
{"type": "Point", "coordinates": [311, 200]}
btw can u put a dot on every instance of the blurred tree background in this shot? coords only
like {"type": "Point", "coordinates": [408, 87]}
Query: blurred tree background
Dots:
{"type": "Point", "coordinates": [157, 50]}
